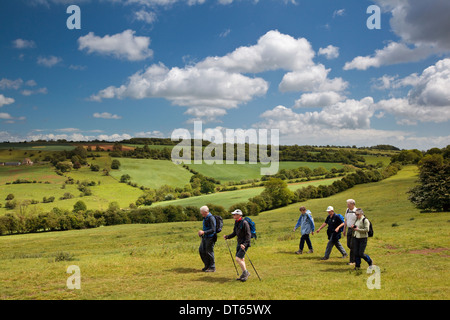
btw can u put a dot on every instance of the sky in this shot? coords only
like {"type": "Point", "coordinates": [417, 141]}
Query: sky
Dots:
{"type": "Point", "coordinates": [315, 70]}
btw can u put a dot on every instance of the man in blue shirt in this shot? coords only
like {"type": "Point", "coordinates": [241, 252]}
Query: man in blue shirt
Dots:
{"type": "Point", "coordinates": [209, 238]}
{"type": "Point", "coordinates": [335, 224]}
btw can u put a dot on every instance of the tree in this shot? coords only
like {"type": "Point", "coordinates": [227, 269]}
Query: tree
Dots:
{"type": "Point", "coordinates": [433, 190]}
{"type": "Point", "coordinates": [115, 164]}
{"type": "Point", "coordinates": [79, 206]}
{"type": "Point", "coordinates": [276, 190]}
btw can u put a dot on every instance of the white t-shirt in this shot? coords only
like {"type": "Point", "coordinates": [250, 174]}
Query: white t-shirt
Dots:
{"type": "Point", "coordinates": [350, 217]}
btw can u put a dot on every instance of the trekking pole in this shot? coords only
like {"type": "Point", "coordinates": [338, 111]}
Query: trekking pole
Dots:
{"type": "Point", "coordinates": [226, 240]}
{"type": "Point", "coordinates": [253, 266]}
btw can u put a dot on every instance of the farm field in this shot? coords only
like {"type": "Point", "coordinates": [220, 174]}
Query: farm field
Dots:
{"type": "Point", "coordinates": [237, 172]}
{"type": "Point", "coordinates": [161, 261]}
{"type": "Point", "coordinates": [152, 173]}
{"type": "Point", "coordinates": [102, 194]}
{"type": "Point", "coordinates": [228, 198]}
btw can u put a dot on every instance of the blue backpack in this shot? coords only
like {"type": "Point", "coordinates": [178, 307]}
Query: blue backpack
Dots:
{"type": "Point", "coordinates": [252, 226]}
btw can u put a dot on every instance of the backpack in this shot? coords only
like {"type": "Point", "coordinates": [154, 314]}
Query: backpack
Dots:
{"type": "Point", "coordinates": [370, 233]}
{"type": "Point", "coordinates": [342, 220]}
{"type": "Point", "coordinates": [219, 223]}
{"type": "Point", "coordinates": [252, 226]}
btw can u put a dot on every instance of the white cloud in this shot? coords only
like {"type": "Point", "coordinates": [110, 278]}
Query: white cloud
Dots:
{"type": "Point", "coordinates": [210, 87]}
{"type": "Point", "coordinates": [5, 100]}
{"type": "Point", "coordinates": [145, 16]}
{"type": "Point", "coordinates": [273, 51]}
{"type": "Point", "coordinates": [205, 114]}
{"type": "Point", "coordinates": [49, 61]}
{"type": "Point", "coordinates": [427, 101]}
{"type": "Point", "coordinates": [123, 45]}
{"type": "Point", "coordinates": [23, 44]}
{"type": "Point", "coordinates": [10, 84]}
{"type": "Point", "coordinates": [106, 115]}
{"type": "Point", "coordinates": [393, 53]}
{"type": "Point", "coordinates": [330, 52]}
{"type": "Point", "coordinates": [318, 99]}
{"type": "Point", "coordinates": [311, 78]}
{"type": "Point", "coordinates": [423, 27]}
{"type": "Point", "coordinates": [149, 134]}
{"type": "Point", "coordinates": [190, 86]}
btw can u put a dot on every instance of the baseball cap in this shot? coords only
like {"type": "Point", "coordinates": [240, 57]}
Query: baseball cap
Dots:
{"type": "Point", "coordinates": [330, 208]}
{"type": "Point", "coordinates": [237, 211]}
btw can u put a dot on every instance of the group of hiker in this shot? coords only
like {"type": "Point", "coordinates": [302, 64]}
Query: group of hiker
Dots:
{"type": "Point", "coordinates": [354, 226]}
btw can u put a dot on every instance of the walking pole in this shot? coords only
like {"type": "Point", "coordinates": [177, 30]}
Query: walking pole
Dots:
{"type": "Point", "coordinates": [253, 266]}
{"type": "Point", "coordinates": [232, 257]}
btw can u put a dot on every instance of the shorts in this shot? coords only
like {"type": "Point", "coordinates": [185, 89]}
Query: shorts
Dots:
{"type": "Point", "coordinates": [240, 253]}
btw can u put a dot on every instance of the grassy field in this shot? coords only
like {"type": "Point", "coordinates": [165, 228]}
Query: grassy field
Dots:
{"type": "Point", "coordinates": [102, 194]}
{"type": "Point", "coordinates": [161, 261]}
{"type": "Point", "coordinates": [238, 172]}
{"type": "Point", "coordinates": [228, 198]}
{"type": "Point", "coordinates": [153, 173]}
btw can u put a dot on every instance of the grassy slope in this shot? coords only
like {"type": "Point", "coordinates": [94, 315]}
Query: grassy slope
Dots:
{"type": "Point", "coordinates": [161, 261]}
{"type": "Point", "coordinates": [238, 172]}
{"type": "Point", "coordinates": [228, 198]}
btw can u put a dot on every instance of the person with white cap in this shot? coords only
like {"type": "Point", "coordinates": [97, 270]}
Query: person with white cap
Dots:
{"type": "Point", "coordinates": [335, 224]}
{"type": "Point", "coordinates": [242, 231]}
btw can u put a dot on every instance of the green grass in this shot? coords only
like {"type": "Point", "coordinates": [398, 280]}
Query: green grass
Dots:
{"type": "Point", "coordinates": [238, 172]}
{"type": "Point", "coordinates": [161, 261]}
{"type": "Point", "coordinates": [152, 173]}
{"type": "Point", "coordinates": [102, 194]}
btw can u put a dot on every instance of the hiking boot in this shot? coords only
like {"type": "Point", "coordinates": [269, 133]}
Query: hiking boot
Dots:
{"type": "Point", "coordinates": [311, 251]}
{"type": "Point", "coordinates": [323, 258]}
{"type": "Point", "coordinates": [344, 256]}
{"type": "Point", "coordinates": [299, 252]}
{"type": "Point", "coordinates": [245, 276]}
{"type": "Point", "coordinates": [210, 270]}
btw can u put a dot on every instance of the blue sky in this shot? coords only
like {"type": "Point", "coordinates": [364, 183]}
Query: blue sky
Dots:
{"type": "Point", "coordinates": [311, 69]}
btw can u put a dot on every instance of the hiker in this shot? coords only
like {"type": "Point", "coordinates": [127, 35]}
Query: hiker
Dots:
{"type": "Point", "coordinates": [306, 223]}
{"type": "Point", "coordinates": [350, 219]}
{"type": "Point", "coordinates": [209, 238]}
{"type": "Point", "coordinates": [335, 222]}
{"type": "Point", "coordinates": [361, 231]}
{"type": "Point", "coordinates": [242, 231]}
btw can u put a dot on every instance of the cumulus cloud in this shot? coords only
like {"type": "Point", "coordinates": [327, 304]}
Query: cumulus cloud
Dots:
{"type": "Point", "coordinates": [423, 27]}
{"type": "Point", "coordinates": [190, 86]}
{"type": "Point", "coordinates": [49, 61]}
{"type": "Point", "coordinates": [311, 78]}
{"type": "Point", "coordinates": [123, 45]}
{"type": "Point", "coordinates": [330, 52]}
{"type": "Point", "coordinates": [210, 87]}
{"type": "Point", "coordinates": [427, 101]}
{"type": "Point", "coordinates": [318, 99]}
{"type": "Point", "coordinates": [5, 100]}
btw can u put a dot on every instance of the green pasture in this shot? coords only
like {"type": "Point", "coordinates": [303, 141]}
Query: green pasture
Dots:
{"type": "Point", "coordinates": [228, 198]}
{"type": "Point", "coordinates": [107, 188]}
{"type": "Point", "coordinates": [237, 172]}
{"type": "Point", "coordinates": [152, 173]}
